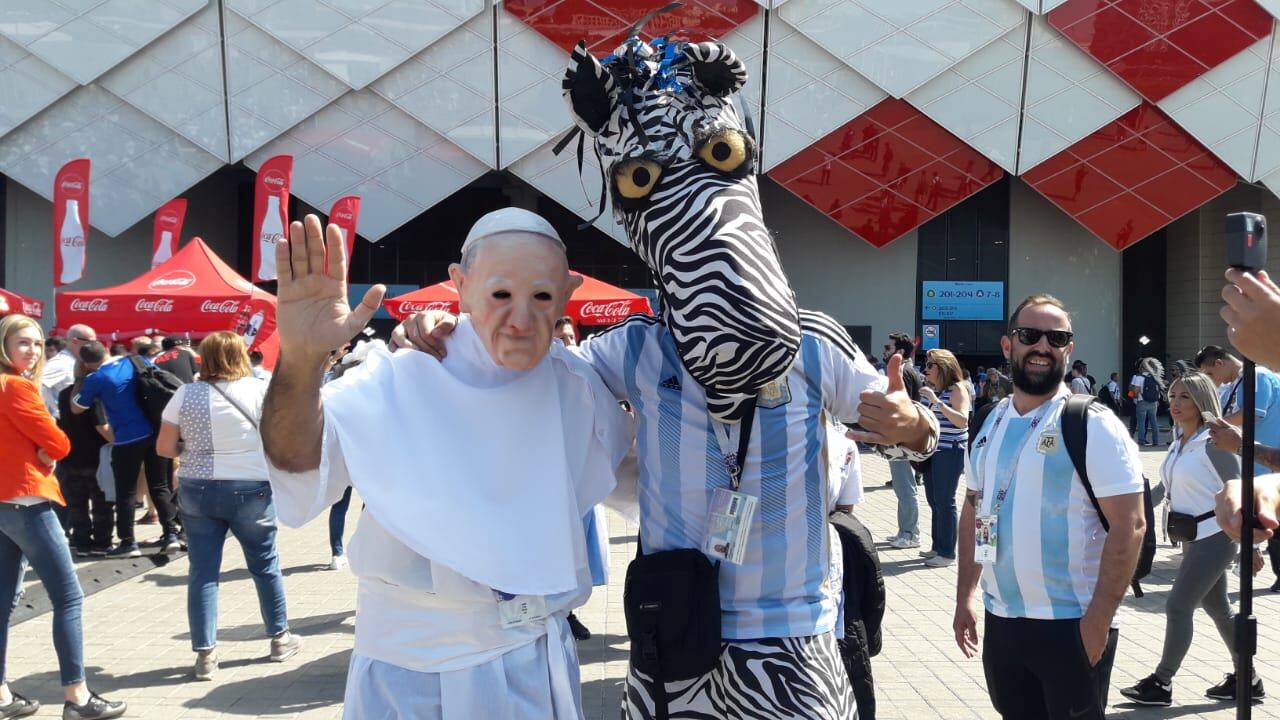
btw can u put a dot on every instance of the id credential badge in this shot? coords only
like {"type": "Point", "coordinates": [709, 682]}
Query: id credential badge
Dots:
{"type": "Point", "coordinates": [984, 550]}
{"type": "Point", "coordinates": [728, 524]}
{"type": "Point", "coordinates": [516, 610]}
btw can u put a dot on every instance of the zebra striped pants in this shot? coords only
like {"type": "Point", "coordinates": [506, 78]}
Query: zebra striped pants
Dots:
{"type": "Point", "coordinates": [799, 678]}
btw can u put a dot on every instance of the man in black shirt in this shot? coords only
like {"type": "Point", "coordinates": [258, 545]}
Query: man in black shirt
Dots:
{"type": "Point", "coordinates": [178, 359]}
{"type": "Point", "coordinates": [91, 516]}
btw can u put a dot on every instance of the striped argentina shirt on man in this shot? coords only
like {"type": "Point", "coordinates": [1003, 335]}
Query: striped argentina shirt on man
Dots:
{"type": "Point", "coordinates": [780, 589]}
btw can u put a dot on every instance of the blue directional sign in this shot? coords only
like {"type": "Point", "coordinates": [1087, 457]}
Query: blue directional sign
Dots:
{"type": "Point", "coordinates": [961, 300]}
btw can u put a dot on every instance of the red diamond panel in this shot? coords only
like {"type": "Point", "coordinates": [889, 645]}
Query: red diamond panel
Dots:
{"type": "Point", "coordinates": [1132, 177]}
{"type": "Point", "coordinates": [604, 23]}
{"type": "Point", "coordinates": [886, 172]}
{"type": "Point", "coordinates": [1157, 47]}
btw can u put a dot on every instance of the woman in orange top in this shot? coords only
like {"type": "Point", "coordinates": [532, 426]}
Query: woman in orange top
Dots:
{"type": "Point", "coordinates": [30, 443]}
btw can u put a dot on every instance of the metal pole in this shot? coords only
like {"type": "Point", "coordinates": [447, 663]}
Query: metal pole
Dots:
{"type": "Point", "coordinates": [1246, 624]}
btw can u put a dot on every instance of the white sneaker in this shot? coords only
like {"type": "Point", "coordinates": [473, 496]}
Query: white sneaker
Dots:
{"type": "Point", "coordinates": [927, 554]}
{"type": "Point", "coordinates": [890, 538]}
{"type": "Point", "coordinates": [904, 542]}
{"type": "Point", "coordinates": [339, 562]}
{"type": "Point", "coordinates": [938, 561]}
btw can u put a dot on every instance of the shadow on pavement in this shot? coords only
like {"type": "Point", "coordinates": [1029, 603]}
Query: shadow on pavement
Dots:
{"type": "Point", "coordinates": [1133, 710]}
{"type": "Point", "coordinates": [315, 684]}
{"type": "Point", "coordinates": [313, 625]}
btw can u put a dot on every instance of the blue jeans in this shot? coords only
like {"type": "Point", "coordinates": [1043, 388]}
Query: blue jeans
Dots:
{"type": "Point", "coordinates": [1147, 418]}
{"type": "Point", "coordinates": [338, 522]}
{"type": "Point", "coordinates": [34, 531]}
{"type": "Point", "coordinates": [904, 486]}
{"type": "Point", "coordinates": [209, 509]}
{"type": "Point", "coordinates": [940, 482]}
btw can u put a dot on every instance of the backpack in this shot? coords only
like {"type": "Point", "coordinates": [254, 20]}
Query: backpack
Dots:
{"type": "Point", "coordinates": [864, 596]}
{"type": "Point", "coordinates": [1075, 435]}
{"type": "Point", "coordinates": [1150, 388]}
{"type": "Point", "coordinates": [1106, 398]}
{"type": "Point", "coordinates": [154, 387]}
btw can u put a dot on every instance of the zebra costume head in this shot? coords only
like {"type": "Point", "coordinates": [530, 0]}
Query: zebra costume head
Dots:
{"type": "Point", "coordinates": [680, 167]}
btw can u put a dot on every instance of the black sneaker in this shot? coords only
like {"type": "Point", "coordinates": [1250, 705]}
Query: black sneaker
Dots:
{"type": "Point", "coordinates": [1150, 691]}
{"type": "Point", "coordinates": [98, 708]}
{"type": "Point", "coordinates": [82, 552]}
{"type": "Point", "coordinates": [99, 551]}
{"type": "Point", "coordinates": [580, 631]}
{"type": "Point", "coordinates": [19, 707]}
{"type": "Point", "coordinates": [125, 551]}
{"type": "Point", "coordinates": [1226, 690]}
{"type": "Point", "coordinates": [1275, 586]}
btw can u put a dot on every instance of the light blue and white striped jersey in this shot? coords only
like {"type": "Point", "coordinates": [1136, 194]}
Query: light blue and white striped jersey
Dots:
{"type": "Point", "coordinates": [781, 588]}
{"type": "Point", "coordinates": [1049, 537]}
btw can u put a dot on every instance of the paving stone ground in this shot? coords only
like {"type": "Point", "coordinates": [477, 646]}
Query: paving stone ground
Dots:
{"type": "Point", "coordinates": [137, 646]}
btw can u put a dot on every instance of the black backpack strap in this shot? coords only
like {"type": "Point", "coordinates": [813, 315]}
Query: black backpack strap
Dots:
{"type": "Point", "coordinates": [979, 419]}
{"type": "Point", "coordinates": [1075, 435]}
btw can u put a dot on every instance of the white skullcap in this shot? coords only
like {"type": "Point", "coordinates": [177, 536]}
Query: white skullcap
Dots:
{"type": "Point", "coordinates": [507, 220]}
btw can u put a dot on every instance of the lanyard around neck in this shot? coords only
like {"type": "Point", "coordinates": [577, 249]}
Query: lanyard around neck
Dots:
{"type": "Point", "coordinates": [734, 462]}
{"type": "Point", "coordinates": [998, 502]}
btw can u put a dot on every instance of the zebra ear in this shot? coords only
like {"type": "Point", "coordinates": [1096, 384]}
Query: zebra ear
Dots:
{"type": "Point", "coordinates": [588, 90]}
{"type": "Point", "coordinates": [715, 68]}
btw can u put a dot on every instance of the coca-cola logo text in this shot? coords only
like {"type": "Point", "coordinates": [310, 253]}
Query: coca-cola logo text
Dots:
{"type": "Point", "coordinates": [72, 241]}
{"type": "Point", "coordinates": [344, 215]}
{"type": "Point", "coordinates": [612, 311]}
{"type": "Point", "coordinates": [273, 179]}
{"type": "Point", "coordinates": [34, 309]}
{"type": "Point", "coordinates": [173, 280]}
{"type": "Point", "coordinates": [160, 305]}
{"type": "Point", "coordinates": [93, 305]}
{"type": "Point", "coordinates": [225, 307]}
{"type": "Point", "coordinates": [168, 221]}
{"type": "Point", "coordinates": [410, 306]}
{"type": "Point", "coordinates": [72, 184]}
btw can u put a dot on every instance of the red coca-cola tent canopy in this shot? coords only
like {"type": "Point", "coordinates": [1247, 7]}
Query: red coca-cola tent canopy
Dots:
{"type": "Point", "coordinates": [594, 303]}
{"type": "Point", "coordinates": [11, 303]}
{"type": "Point", "coordinates": [193, 293]}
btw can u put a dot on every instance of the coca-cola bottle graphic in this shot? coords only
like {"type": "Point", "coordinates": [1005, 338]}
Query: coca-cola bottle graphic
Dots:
{"type": "Point", "coordinates": [71, 243]}
{"type": "Point", "coordinates": [272, 231]}
{"type": "Point", "coordinates": [255, 324]}
{"type": "Point", "coordinates": [165, 251]}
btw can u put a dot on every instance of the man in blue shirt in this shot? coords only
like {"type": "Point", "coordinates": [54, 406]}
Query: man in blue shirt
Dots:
{"type": "Point", "coordinates": [1227, 370]}
{"type": "Point", "coordinates": [114, 382]}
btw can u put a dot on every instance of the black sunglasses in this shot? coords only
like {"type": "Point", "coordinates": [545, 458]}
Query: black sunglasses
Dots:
{"type": "Point", "coordinates": [1030, 336]}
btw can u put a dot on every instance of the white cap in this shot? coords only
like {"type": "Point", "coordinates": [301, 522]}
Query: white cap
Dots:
{"type": "Point", "coordinates": [507, 220]}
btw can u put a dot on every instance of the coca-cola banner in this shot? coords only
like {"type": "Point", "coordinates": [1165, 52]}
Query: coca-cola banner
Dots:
{"type": "Point", "coordinates": [70, 221]}
{"type": "Point", "coordinates": [168, 230]}
{"type": "Point", "coordinates": [606, 312]}
{"type": "Point", "coordinates": [345, 213]}
{"type": "Point", "coordinates": [270, 214]}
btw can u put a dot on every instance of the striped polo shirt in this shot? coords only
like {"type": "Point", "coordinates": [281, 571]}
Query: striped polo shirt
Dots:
{"type": "Point", "coordinates": [781, 588]}
{"type": "Point", "coordinates": [949, 436]}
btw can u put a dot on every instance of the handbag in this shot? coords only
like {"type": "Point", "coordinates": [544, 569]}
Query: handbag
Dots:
{"type": "Point", "coordinates": [671, 601]}
{"type": "Point", "coordinates": [1182, 527]}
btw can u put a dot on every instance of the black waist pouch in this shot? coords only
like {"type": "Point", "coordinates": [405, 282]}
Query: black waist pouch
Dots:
{"type": "Point", "coordinates": [672, 605]}
{"type": "Point", "coordinates": [1182, 527]}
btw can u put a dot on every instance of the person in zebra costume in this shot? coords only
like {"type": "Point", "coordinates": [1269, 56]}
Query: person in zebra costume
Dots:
{"type": "Point", "coordinates": [731, 340]}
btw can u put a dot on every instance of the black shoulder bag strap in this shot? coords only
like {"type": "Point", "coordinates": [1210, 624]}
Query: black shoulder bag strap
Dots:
{"type": "Point", "coordinates": [1075, 435]}
{"type": "Point", "coordinates": [235, 405]}
{"type": "Point", "coordinates": [980, 419]}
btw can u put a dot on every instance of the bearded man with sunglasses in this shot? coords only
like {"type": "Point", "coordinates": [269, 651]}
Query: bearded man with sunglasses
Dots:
{"type": "Point", "coordinates": [1051, 576]}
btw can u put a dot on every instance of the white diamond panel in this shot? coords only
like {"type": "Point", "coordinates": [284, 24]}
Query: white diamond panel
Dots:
{"type": "Point", "coordinates": [530, 108]}
{"type": "Point", "coordinates": [902, 45]}
{"type": "Point", "coordinates": [138, 163]}
{"type": "Point", "coordinates": [1069, 95]}
{"type": "Point", "coordinates": [449, 88]}
{"type": "Point", "coordinates": [27, 85]}
{"type": "Point", "coordinates": [810, 94]}
{"type": "Point", "coordinates": [557, 176]}
{"type": "Point", "coordinates": [979, 99]}
{"type": "Point", "coordinates": [178, 80]}
{"type": "Point", "coordinates": [357, 41]}
{"type": "Point", "coordinates": [363, 145]}
{"type": "Point", "coordinates": [1223, 107]}
{"type": "Point", "coordinates": [83, 39]}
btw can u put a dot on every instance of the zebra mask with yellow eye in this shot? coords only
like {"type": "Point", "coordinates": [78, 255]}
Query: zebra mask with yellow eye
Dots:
{"type": "Point", "coordinates": [679, 164]}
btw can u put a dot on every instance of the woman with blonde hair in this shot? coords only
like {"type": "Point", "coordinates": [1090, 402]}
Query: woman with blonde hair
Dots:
{"type": "Point", "coordinates": [212, 425]}
{"type": "Point", "coordinates": [30, 444]}
{"type": "Point", "coordinates": [948, 395]}
{"type": "Point", "coordinates": [1193, 471]}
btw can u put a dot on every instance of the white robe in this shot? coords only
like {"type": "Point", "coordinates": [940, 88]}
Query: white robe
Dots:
{"type": "Point", "coordinates": [429, 638]}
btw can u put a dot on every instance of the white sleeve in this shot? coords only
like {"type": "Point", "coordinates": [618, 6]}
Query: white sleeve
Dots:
{"type": "Point", "coordinates": [608, 351]}
{"type": "Point", "coordinates": [300, 497]}
{"type": "Point", "coordinates": [844, 378]}
{"type": "Point", "coordinates": [851, 491]}
{"type": "Point", "coordinates": [172, 411]}
{"type": "Point", "coordinates": [970, 477]}
{"type": "Point", "coordinates": [1112, 458]}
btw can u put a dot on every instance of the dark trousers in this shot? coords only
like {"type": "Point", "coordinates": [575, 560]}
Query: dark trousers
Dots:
{"type": "Point", "coordinates": [338, 523]}
{"type": "Point", "coordinates": [1037, 669]}
{"type": "Point", "coordinates": [126, 461]}
{"type": "Point", "coordinates": [90, 516]}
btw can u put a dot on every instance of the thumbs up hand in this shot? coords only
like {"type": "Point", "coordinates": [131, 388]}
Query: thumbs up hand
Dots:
{"type": "Point", "coordinates": [891, 416]}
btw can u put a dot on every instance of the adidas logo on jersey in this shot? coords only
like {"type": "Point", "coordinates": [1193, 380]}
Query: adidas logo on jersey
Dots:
{"type": "Point", "coordinates": [671, 383]}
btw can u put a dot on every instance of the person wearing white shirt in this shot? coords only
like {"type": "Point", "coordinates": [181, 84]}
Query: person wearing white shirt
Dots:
{"type": "Point", "coordinates": [1193, 472]}
{"type": "Point", "coordinates": [469, 564]}
{"type": "Point", "coordinates": [1051, 577]}
{"type": "Point", "coordinates": [60, 370]}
